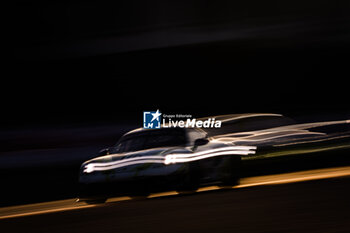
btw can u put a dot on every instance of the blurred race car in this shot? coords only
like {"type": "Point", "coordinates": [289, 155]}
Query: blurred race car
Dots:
{"type": "Point", "coordinates": [150, 160]}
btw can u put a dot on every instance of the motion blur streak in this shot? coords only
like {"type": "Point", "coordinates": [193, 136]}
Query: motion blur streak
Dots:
{"type": "Point", "coordinates": [230, 149]}
{"type": "Point", "coordinates": [125, 161]}
{"type": "Point", "coordinates": [173, 158]}
{"type": "Point", "coordinates": [234, 118]}
{"type": "Point", "coordinates": [182, 158]}
{"type": "Point", "coordinates": [318, 140]}
{"type": "Point", "coordinates": [253, 138]}
{"type": "Point", "coordinates": [278, 132]}
{"type": "Point", "coordinates": [41, 208]}
{"type": "Point", "coordinates": [92, 167]}
{"type": "Point", "coordinates": [295, 177]}
{"type": "Point", "coordinates": [303, 151]}
{"type": "Point", "coordinates": [70, 204]}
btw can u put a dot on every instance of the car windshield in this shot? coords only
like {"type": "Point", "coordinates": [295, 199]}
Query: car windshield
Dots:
{"type": "Point", "coordinates": [151, 139]}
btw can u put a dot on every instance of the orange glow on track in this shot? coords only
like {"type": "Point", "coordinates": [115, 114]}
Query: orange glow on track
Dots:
{"type": "Point", "coordinates": [71, 204]}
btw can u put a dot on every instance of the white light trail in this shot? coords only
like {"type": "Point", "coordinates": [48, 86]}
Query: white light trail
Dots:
{"type": "Point", "coordinates": [171, 158]}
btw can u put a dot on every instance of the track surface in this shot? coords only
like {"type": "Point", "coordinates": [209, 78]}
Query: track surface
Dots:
{"type": "Point", "coordinates": [273, 203]}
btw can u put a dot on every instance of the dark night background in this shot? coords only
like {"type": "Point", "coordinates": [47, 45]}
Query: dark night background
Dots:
{"type": "Point", "coordinates": [94, 61]}
{"type": "Point", "coordinates": [91, 63]}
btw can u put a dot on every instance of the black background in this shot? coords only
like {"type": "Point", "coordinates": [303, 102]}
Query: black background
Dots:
{"type": "Point", "coordinates": [295, 61]}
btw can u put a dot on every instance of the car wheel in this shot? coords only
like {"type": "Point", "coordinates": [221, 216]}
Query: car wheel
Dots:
{"type": "Point", "coordinates": [139, 195]}
{"type": "Point", "coordinates": [191, 181]}
{"type": "Point", "coordinates": [232, 176]}
{"type": "Point", "coordinates": [142, 191]}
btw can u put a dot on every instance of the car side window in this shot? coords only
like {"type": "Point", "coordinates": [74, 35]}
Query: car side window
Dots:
{"type": "Point", "coordinates": [194, 134]}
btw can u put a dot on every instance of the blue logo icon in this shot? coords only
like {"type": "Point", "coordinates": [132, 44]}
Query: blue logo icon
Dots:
{"type": "Point", "coordinates": [151, 120]}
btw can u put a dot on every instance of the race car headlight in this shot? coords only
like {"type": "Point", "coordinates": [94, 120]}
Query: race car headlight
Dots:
{"type": "Point", "coordinates": [88, 168]}
{"type": "Point", "coordinates": [169, 159]}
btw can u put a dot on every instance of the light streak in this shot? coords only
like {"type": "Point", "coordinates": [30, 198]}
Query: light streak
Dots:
{"type": "Point", "coordinates": [277, 133]}
{"type": "Point", "coordinates": [231, 148]}
{"type": "Point", "coordinates": [106, 164]}
{"type": "Point", "coordinates": [47, 211]}
{"type": "Point", "coordinates": [251, 137]}
{"type": "Point", "coordinates": [174, 159]}
{"type": "Point", "coordinates": [91, 167]}
{"type": "Point", "coordinates": [171, 158]}
{"type": "Point", "coordinates": [233, 117]}
{"type": "Point", "coordinates": [295, 127]}
{"type": "Point", "coordinates": [312, 141]}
